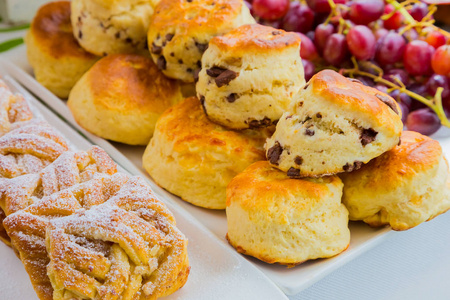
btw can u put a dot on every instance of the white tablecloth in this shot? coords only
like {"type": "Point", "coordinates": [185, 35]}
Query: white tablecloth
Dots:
{"type": "Point", "coordinates": [413, 265]}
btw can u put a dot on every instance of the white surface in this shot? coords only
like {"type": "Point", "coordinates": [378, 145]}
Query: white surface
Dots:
{"type": "Point", "coordinates": [217, 272]}
{"type": "Point", "coordinates": [19, 11]}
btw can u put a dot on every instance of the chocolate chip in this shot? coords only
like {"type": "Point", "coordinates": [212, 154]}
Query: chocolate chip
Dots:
{"type": "Point", "coordinates": [189, 70]}
{"type": "Point", "coordinates": [319, 115]}
{"type": "Point", "coordinates": [225, 78]}
{"type": "Point", "coordinates": [201, 47]}
{"type": "Point", "coordinates": [274, 153]}
{"type": "Point", "coordinates": [172, 54]}
{"type": "Point", "coordinates": [289, 117]}
{"type": "Point", "coordinates": [156, 49]}
{"type": "Point", "coordinates": [199, 64]}
{"type": "Point", "coordinates": [260, 123]}
{"type": "Point", "coordinates": [298, 160]}
{"type": "Point", "coordinates": [117, 35]}
{"type": "Point", "coordinates": [80, 34]}
{"type": "Point", "coordinates": [276, 32]}
{"type": "Point", "coordinates": [309, 132]}
{"type": "Point", "coordinates": [215, 71]}
{"type": "Point", "coordinates": [352, 167]}
{"type": "Point", "coordinates": [399, 141]}
{"type": "Point", "coordinates": [169, 37]}
{"type": "Point", "coordinates": [388, 101]}
{"type": "Point", "coordinates": [161, 63]}
{"type": "Point", "coordinates": [180, 61]}
{"type": "Point", "coordinates": [355, 80]}
{"type": "Point", "coordinates": [231, 97]}
{"type": "Point", "coordinates": [306, 86]}
{"type": "Point", "coordinates": [129, 40]}
{"type": "Point", "coordinates": [293, 173]}
{"type": "Point", "coordinates": [196, 74]}
{"type": "Point", "coordinates": [367, 136]}
{"type": "Point", "coordinates": [300, 104]}
{"type": "Point", "coordinates": [202, 102]}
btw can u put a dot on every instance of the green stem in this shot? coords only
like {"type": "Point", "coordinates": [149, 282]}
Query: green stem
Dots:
{"type": "Point", "coordinates": [5, 46]}
{"type": "Point", "coordinates": [15, 28]}
{"type": "Point", "coordinates": [402, 10]}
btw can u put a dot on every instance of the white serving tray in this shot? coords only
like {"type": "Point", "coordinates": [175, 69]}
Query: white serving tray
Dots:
{"type": "Point", "coordinates": [217, 272]}
{"type": "Point", "coordinates": [291, 281]}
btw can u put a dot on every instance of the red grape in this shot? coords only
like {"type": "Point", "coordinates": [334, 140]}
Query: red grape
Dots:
{"type": "Point", "coordinates": [441, 60]}
{"type": "Point", "coordinates": [401, 98]}
{"type": "Point", "coordinates": [336, 50]}
{"type": "Point", "coordinates": [309, 69]}
{"type": "Point", "coordinates": [405, 111]}
{"type": "Point", "coordinates": [322, 34]}
{"type": "Point", "coordinates": [395, 21]}
{"type": "Point", "coordinates": [436, 39]}
{"type": "Point", "coordinates": [361, 42]}
{"type": "Point", "coordinates": [299, 18]}
{"type": "Point", "coordinates": [390, 48]}
{"type": "Point", "coordinates": [417, 58]}
{"type": "Point", "coordinates": [410, 34]}
{"type": "Point", "coordinates": [436, 81]}
{"type": "Point", "coordinates": [249, 5]}
{"type": "Point", "coordinates": [322, 6]}
{"type": "Point", "coordinates": [307, 48]}
{"type": "Point", "coordinates": [381, 88]}
{"type": "Point", "coordinates": [394, 75]}
{"type": "Point", "coordinates": [270, 9]}
{"type": "Point", "coordinates": [418, 11]}
{"type": "Point", "coordinates": [275, 23]}
{"type": "Point", "coordinates": [379, 33]}
{"type": "Point", "coordinates": [423, 121]}
{"type": "Point", "coordinates": [365, 11]}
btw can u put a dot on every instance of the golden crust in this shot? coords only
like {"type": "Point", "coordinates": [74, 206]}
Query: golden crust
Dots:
{"type": "Point", "coordinates": [129, 82]}
{"type": "Point", "coordinates": [52, 29]}
{"type": "Point", "coordinates": [343, 92]}
{"type": "Point", "coordinates": [416, 153]}
{"type": "Point", "coordinates": [191, 17]}
{"type": "Point", "coordinates": [262, 182]}
{"type": "Point", "coordinates": [255, 37]}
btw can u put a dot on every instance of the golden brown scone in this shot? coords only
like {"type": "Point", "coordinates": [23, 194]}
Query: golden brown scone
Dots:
{"type": "Point", "coordinates": [194, 158]}
{"type": "Point", "coordinates": [403, 187]}
{"type": "Point", "coordinates": [121, 97]}
{"type": "Point", "coordinates": [13, 108]}
{"type": "Point", "coordinates": [238, 83]}
{"type": "Point", "coordinates": [180, 31]}
{"type": "Point", "coordinates": [57, 59]}
{"type": "Point", "coordinates": [107, 27]}
{"type": "Point", "coordinates": [334, 125]}
{"type": "Point", "coordinates": [286, 221]}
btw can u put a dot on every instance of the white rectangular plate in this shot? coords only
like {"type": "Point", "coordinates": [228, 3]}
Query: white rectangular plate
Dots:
{"type": "Point", "coordinates": [291, 281]}
{"type": "Point", "coordinates": [217, 272]}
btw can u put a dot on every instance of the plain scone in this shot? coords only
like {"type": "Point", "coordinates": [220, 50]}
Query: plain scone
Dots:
{"type": "Point", "coordinates": [121, 97]}
{"type": "Point", "coordinates": [286, 221]}
{"type": "Point", "coordinates": [194, 158]}
{"type": "Point", "coordinates": [333, 125]}
{"type": "Point", "coordinates": [57, 59]}
{"type": "Point", "coordinates": [180, 31]}
{"type": "Point", "coordinates": [107, 27]}
{"type": "Point", "coordinates": [250, 75]}
{"type": "Point", "coordinates": [402, 188]}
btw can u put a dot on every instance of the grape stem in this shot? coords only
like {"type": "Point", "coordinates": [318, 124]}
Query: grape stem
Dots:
{"type": "Point", "coordinates": [434, 104]}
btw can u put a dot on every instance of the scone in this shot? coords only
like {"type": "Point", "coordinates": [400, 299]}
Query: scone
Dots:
{"type": "Point", "coordinates": [333, 125]}
{"type": "Point", "coordinates": [13, 109]}
{"type": "Point", "coordinates": [402, 188]}
{"type": "Point", "coordinates": [121, 97]}
{"type": "Point", "coordinates": [57, 59]}
{"type": "Point", "coordinates": [286, 221]}
{"type": "Point", "coordinates": [194, 158]}
{"type": "Point", "coordinates": [180, 31]}
{"type": "Point", "coordinates": [250, 75]}
{"type": "Point", "coordinates": [107, 27]}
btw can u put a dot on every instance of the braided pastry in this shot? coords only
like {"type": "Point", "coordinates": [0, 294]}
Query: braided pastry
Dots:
{"type": "Point", "coordinates": [125, 248]}
{"type": "Point", "coordinates": [29, 147]}
{"type": "Point", "coordinates": [26, 227]}
{"type": "Point", "coordinates": [68, 170]}
{"type": "Point", "coordinates": [13, 108]}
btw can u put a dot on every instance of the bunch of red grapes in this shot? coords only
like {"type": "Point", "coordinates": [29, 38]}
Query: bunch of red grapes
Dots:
{"type": "Point", "coordinates": [415, 57]}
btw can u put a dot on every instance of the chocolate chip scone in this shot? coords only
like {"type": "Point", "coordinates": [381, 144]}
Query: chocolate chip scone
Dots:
{"type": "Point", "coordinates": [250, 75]}
{"type": "Point", "coordinates": [105, 27]}
{"type": "Point", "coordinates": [333, 125]}
{"type": "Point", "coordinates": [180, 31]}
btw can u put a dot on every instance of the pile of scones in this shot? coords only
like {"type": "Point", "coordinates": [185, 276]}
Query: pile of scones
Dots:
{"type": "Point", "coordinates": [230, 123]}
